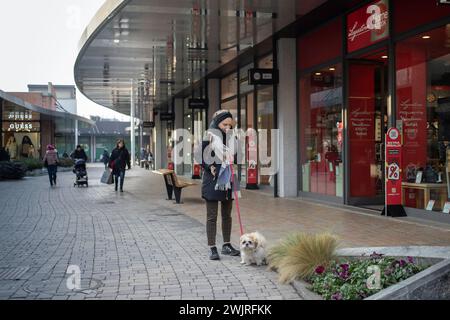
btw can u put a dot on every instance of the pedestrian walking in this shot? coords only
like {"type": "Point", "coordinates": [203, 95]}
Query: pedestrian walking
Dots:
{"type": "Point", "coordinates": [120, 159]}
{"type": "Point", "coordinates": [105, 158]}
{"type": "Point", "coordinates": [79, 153]}
{"type": "Point", "coordinates": [51, 162]}
{"type": "Point", "coordinates": [216, 184]}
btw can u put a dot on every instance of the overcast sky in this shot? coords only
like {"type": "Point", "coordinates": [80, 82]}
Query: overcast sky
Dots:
{"type": "Point", "coordinates": [39, 44]}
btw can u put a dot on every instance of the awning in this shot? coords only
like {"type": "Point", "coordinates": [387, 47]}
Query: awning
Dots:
{"type": "Point", "coordinates": [162, 47]}
{"type": "Point", "coordinates": [43, 111]}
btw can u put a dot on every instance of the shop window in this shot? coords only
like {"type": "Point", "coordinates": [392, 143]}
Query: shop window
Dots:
{"type": "Point", "coordinates": [423, 106]}
{"type": "Point", "coordinates": [320, 45]}
{"type": "Point", "coordinates": [229, 86]}
{"type": "Point", "coordinates": [321, 131]}
{"type": "Point", "coordinates": [265, 122]}
{"type": "Point", "coordinates": [410, 14]}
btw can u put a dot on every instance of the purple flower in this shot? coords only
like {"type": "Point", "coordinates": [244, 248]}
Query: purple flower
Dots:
{"type": "Point", "coordinates": [375, 255]}
{"type": "Point", "coordinates": [344, 267]}
{"type": "Point", "coordinates": [320, 270]}
{"type": "Point", "coordinates": [410, 260]}
{"type": "Point", "coordinates": [402, 263]}
{"type": "Point", "coordinates": [336, 296]}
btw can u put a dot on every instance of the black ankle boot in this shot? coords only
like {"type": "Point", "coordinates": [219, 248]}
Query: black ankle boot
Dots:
{"type": "Point", "coordinates": [228, 250]}
{"type": "Point", "coordinates": [214, 255]}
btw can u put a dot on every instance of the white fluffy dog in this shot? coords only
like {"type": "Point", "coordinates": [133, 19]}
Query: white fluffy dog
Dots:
{"type": "Point", "coordinates": [253, 249]}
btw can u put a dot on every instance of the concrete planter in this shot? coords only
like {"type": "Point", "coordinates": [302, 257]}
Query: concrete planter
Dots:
{"type": "Point", "coordinates": [431, 284]}
{"type": "Point", "coordinates": [36, 172]}
{"type": "Point", "coordinates": [43, 171]}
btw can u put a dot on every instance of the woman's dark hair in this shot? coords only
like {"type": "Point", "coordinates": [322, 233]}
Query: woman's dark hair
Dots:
{"type": "Point", "coordinates": [119, 141]}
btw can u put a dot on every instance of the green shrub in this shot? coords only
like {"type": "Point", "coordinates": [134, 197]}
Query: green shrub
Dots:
{"type": "Point", "coordinates": [65, 162]}
{"type": "Point", "coordinates": [349, 280]}
{"type": "Point", "coordinates": [298, 255]}
{"type": "Point", "coordinates": [33, 164]}
{"type": "Point", "coordinates": [12, 170]}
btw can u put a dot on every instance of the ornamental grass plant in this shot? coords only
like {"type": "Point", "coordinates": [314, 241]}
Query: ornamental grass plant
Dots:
{"type": "Point", "coordinates": [298, 255]}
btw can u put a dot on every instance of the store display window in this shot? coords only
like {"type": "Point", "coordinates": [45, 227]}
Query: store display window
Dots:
{"type": "Point", "coordinates": [321, 131]}
{"type": "Point", "coordinates": [423, 107]}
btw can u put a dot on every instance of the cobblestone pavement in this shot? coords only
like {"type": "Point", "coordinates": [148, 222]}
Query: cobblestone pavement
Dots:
{"type": "Point", "coordinates": [134, 245]}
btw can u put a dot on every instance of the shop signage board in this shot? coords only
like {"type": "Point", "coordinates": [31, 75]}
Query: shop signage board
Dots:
{"type": "Point", "coordinates": [430, 205]}
{"type": "Point", "coordinates": [368, 25]}
{"type": "Point", "coordinates": [167, 116]}
{"type": "Point", "coordinates": [262, 77]}
{"type": "Point", "coordinates": [446, 207]}
{"type": "Point", "coordinates": [21, 126]}
{"type": "Point", "coordinates": [198, 103]}
{"type": "Point", "coordinates": [393, 156]}
{"type": "Point", "coordinates": [149, 124]}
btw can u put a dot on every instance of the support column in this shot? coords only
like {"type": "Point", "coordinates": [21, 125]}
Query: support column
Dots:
{"type": "Point", "coordinates": [132, 129]}
{"type": "Point", "coordinates": [157, 148]}
{"type": "Point", "coordinates": [213, 97]}
{"type": "Point", "coordinates": [163, 149]}
{"type": "Point", "coordinates": [179, 124]}
{"type": "Point", "coordinates": [76, 133]}
{"type": "Point", "coordinates": [287, 119]}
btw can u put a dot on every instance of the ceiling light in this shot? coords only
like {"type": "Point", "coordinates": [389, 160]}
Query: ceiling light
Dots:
{"type": "Point", "coordinates": [318, 73]}
{"type": "Point", "coordinates": [332, 69]}
{"type": "Point", "coordinates": [384, 57]}
{"type": "Point", "coordinates": [426, 37]}
{"type": "Point", "coordinates": [116, 40]}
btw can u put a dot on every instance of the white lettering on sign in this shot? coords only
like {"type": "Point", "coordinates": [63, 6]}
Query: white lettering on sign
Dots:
{"type": "Point", "coordinates": [376, 21]}
{"type": "Point", "coordinates": [19, 115]}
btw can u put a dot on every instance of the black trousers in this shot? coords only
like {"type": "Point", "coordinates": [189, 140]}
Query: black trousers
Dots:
{"type": "Point", "coordinates": [212, 211]}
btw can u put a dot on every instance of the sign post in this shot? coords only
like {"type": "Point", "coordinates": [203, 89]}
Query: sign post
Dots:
{"type": "Point", "coordinates": [393, 176]}
{"type": "Point", "coordinates": [252, 165]}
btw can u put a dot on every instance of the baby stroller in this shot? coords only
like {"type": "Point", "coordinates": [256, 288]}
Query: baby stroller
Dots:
{"type": "Point", "coordinates": [79, 170]}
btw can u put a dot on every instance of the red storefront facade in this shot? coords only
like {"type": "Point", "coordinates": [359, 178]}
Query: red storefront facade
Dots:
{"type": "Point", "coordinates": [382, 64]}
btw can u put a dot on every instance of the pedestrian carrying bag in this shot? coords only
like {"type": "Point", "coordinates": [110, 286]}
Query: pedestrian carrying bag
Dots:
{"type": "Point", "coordinates": [110, 178]}
{"type": "Point", "coordinates": [107, 177]}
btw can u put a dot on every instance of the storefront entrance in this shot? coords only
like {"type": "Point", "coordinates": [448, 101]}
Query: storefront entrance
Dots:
{"type": "Point", "coordinates": [367, 123]}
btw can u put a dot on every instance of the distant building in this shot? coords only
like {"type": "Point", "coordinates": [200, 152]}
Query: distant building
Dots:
{"type": "Point", "coordinates": [32, 120]}
{"type": "Point", "coordinates": [103, 135]}
{"type": "Point", "coordinates": [65, 95]}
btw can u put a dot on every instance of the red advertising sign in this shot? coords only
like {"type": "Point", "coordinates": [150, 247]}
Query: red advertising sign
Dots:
{"type": "Point", "coordinates": [368, 25]}
{"type": "Point", "coordinates": [252, 157]}
{"type": "Point", "coordinates": [393, 167]}
{"type": "Point", "coordinates": [197, 170]}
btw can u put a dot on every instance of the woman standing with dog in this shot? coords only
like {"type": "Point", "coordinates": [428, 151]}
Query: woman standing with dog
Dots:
{"type": "Point", "coordinates": [216, 185]}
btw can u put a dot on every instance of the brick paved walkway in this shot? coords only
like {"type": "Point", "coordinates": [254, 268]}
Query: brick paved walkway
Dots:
{"type": "Point", "coordinates": [137, 245]}
{"type": "Point", "coordinates": [131, 246]}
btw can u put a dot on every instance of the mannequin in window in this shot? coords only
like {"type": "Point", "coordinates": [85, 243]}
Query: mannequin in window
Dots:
{"type": "Point", "coordinates": [26, 144]}
{"type": "Point", "coordinates": [11, 147]}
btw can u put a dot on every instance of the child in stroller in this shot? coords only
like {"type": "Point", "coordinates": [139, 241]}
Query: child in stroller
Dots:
{"type": "Point", "coordinates": [81, 174]}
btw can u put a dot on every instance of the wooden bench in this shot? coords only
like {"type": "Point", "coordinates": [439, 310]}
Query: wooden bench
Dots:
{"type": "Point", "coordinates": [174, 185]}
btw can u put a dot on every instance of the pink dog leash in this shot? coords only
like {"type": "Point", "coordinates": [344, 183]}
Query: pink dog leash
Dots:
{"type": "Point", "coordinates": [237, 201]}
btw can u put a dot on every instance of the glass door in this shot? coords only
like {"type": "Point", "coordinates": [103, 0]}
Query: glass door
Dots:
{"type": "Point", "coordinates": [367, 123]}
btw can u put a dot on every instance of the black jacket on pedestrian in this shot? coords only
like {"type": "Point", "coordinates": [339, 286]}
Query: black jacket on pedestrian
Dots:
{"type": "Point", "coordinates": [79, 155]}
{"type": "Point", "coordinates": [209, 193]}
{"type": "Point", "coordinates": [105, 157]}
{"type": "Point", "coordinates": [120, 159]}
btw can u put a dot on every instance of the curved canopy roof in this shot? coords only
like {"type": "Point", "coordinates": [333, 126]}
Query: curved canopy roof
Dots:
{"type": "Point", "coordinates": [160, 47]}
